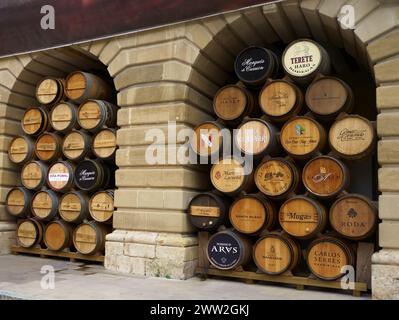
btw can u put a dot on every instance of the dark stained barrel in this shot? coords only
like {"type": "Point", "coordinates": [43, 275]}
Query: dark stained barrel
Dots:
{"type": "Point", "coordinates": [91, 175]}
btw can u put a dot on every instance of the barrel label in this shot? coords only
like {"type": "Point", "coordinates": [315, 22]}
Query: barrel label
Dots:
{"type": "Point", "coordinates": [302, 58]}
{"type": "Point", "coordinates": [21, 149]}
{"type": "Point", "coordinates": [274, 178]}
{"type": "Point", "coordinates": [104, 206]}
{"type": "Point", "coordinates": [300, 137]}
{"type": "Point", "coordinates": [227, 176]}
{"type": "Point", "coordinates": [351, 135]}
{"type": "Point", "coordinates": [58, 176]}
{"type": "Point", "coordinates": [223, 251]}
{"type": "Point", "coordinates": [32, 120]}
{"type": "Point", "coordinates": [86, 175]}
{"type": "Point", "coordinates": [70, 206]}
{"type": "Point", "coordinates": [272, 255]}
{"type": "Point", "coordinates": [199, 211]}
{"type": "Point", "coordinates": [104, 143]}
{"type": "Point", "coordinates": [252, 64]}
{"type": "Point", "coordinates": [46, 146]}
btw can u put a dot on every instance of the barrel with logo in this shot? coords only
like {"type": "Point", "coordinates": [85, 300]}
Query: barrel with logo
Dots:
{"type": "Point", "coordinates": [77, 145]}
{"type": "Point", "coordinates": [354, 217]}
{"type": "Point", "coordinates": [89, 237]}
{"type": "Point", "coordinates": [58, 235]}
{"type": "Point", "coordinates": [50, 91]}
{"type": "Point", "coordinates": [93, 115]}
{"type": "Point", "coordinates": [302, 217]}
{"type": "Point", "coordinates": [35, 121]}
{"type": "Point", "coordinates": [29, 233]}
{"type": "Point", "coordinates": [228, 249]}
{"type": "Point", "coordinates": [60, 176]}
{"type": "Point", "coordinates": [209, 139]}
{"type": "Point", "coordinates": [64, 117]}
{"type": "Point", "coordinates": [74, 206]}
{"type": "Point", "coordinates": [48, 147]}
{"type": "Point", "coordinates": [91, 175]}
{"type": "Point", "coordinates": [33, 175]}
{"type": "Point", "coordinates": [45, 205]}
{"type": "Point", "coordinates": [104, 144]}
{"type": "Point", "coordinates": [101, 206]}
{"type": "Point", "coordinates": [18, 202]}
{"type": "Point", "coordinates": [21, 150]}
{"type": "Point", "coordinates": [352, 137]}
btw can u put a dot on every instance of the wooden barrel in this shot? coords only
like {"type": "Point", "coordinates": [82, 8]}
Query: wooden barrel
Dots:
{"type": "Point", "coordinates": [281, 100]}
{"type": "Point", "coordinates": [21, 150]}
{"type": "Point", "coordinates": [252, 213]}
{"type": "Point", "coordinates": [325, 176]}
{"type": "Point", "coordinates": [302, 137]}
{"type": "Point", "coordinates": [18, 202]}
{"type": "Point", "coordinates": [276, 253]}
{"type": "Point", "coordinates": [29, 233]}
{"type": "Point", "coordinates": [35, 121]}
{"type": "Point", "coordinates": [101, 206]}
{"type": "Point", "coordinates": [277, 178]}
{"type": "Point", "coordinates": [33, 175]}
{"type": "Point", "coordinates": [89, 237]}
{"type": "Point", "coordinates": [74, 206]}
{"type": "Point", "coordinates": [93, 115]}
{"type": "Point", "coordinates": [64, 117]}
{"type": "Point", "coordinates": [50, 91]}
{"type": "Point", "coordinates": [91, 175]}
{"type": "Point", "coordinates": [303, 59]}
{"type": "Point", "coordinates": [81, 86]}
{"type": "Point", "coordinates": [45, 205]}
{"type": "Point", "coordinates": [208, 139]}
{"type": "Point", "coordinates": [228, 250]}
{"type": "Point", "coordinates": [48, 147]}
{"type": "Point", "coordinates": [327, 97]}
{"type": "Point", "coordinates": [254, 65]}
{"type": "Point", "coordinates": [77, 145]}
{"type": "Point", "coordinates": [352, 137]}
{"type": "Point", "coordinates": [58, 235]}
{"type": "Point", "coordinates": [354, 217]}
{"type": "Point", "coordinates": [327, 255]}
{"type": "Point", "coordinates": [60, 176]}
{"type": "Point", "coordinates": [104, 144]}
{"type": "Point", "coordinates": [302, 217]}
{"type": "Point", "coordinates": [231, 177]}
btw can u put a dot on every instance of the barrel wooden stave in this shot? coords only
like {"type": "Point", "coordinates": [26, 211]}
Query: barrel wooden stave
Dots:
{"type": "Point", "coordinates": [21, 150]}
{"type": "Point", "coordinates": [33, 175]}
{"type": "Point", "coordinates": [94, 115]}
{"type": "Point", "coordinates": [101, 206]}
{"type": "Point", "coordinates": [44, 205]}
{"type": "Point", "coordinates": [18, 202]}
{"type": "Point", "coordinates": [48, 147]}
{"type": "Point", "coordinates": [64, 117]}
{"type": "Point", "coordinates": [29, 233]}
{"type": "Point", "coordinates": [104, 144]}
{"type": "Point", "coordinates": [50, 90]}
{"type": "Point", "coordinates": [89, 237]}
{"type": "Point", "coordinates": [58, 235]}
{"type": "Point", "coordinates": [77, 145]}
{"type": "Point", "coordinates": [73, 206]}
{"type": "Point", "coordinates": [35, 121]}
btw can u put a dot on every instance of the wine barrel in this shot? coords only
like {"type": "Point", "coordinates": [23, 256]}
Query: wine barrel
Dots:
{"type": "Point", "coordinates": [280, 100]}
{"type": "Point", "coordinates": [104, 144]}
{"type": "Point", "coordinates": [303, 59]}
{"type": "Point", "coordinates": [208, 211]}
{"type": "Point", "coordinates": [325, 176]}
{"type": "Point", "coordinates": [33, 175]}
{"type": "Point", "coordinates": [81, 86]}
{"type": "Point", "coordinates": [93, 115]}
{"type": "Point", "coordinates": [254, 65]}
{"type": "Point", "coordinates": [48, 147]}
{"type": "Point", "coordinates": [276, 253]}
{"type": "Point", "coordinates": [74, 206]}
{"type": "Point", "coordinates": [302, 137]}
{"type": "Point", "coordinates": [327, 97]}
{"type": "Point", "coordinates": [18, 202]}
{"type": "Point", "coordinates": [29, 233]}
{"type": "Point", "coordinates": [208, 139]}
{"type": "Point", "coordinates": [230, 176]}
{"type": "Point", "coordinates": [302, 217]}
{"type": "Point", "coordinates": [89, 237]}
{"type": "Point", "coordinates": [354, 217]}
{"type": "Point", "coordinates": [60, 176]}
{"type": "Point", "coordinates": [50, 91]}
{"type": "Point", "coordinates": [64, 117]}
{"type": "Point", "coordinates": [77, 145]}
{"type": "Point", "coordinates": [91, 175]}
{"type": "Point", "coordinates": [21, 150]}
{"type": "Point", "coordinates": [45, 205]}
{"type": "Point", "coordinates": [35, 121]}
{"type": "Point", "coordinates": [352, 137]}
{"type": "Point", "coordinates": [228, 250]}
{"type": "Point", "coordinates": [327, 255]}
{"type": "Point", "coordinates": [252, 213]}
{"type": "Point", "coordinates": [101, 206]}
{"type": "Point", "coordinates": [256, 137]}
{"type": "Point", "coordinates": [277, 178]}
{"type": "Point", "coordinates": [58, 235]}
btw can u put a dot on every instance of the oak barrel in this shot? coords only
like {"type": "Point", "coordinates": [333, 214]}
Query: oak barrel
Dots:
{"type": "Point", "coordinates": [35, 121]}
{"type": "Point", "coordinates": [77, 145]}
{"type": "Point", "coordinates": [89, 237]}
{"type": "Point", "coordinates": [48, 147]}
{"type": "Point", "coordinates": [50, 91]}
{"type": "Point", "coordinates": [58, 235]}
{"type": "Point", "coordinates": [91, 175]}
{"type": "Point", "coordinates": [208, 138]}
{"type": "Point", "coordinates": [60, 176]}
{"type": "Point", "coordinates": [45, 205]}
{"type": "Point", "coordinates": [93, 115]}
{"type": "Point", "coordinates": [64, 117]}
{"type": "Point", "coordinates": [104, 144]}
{"type": "Point", "coordinates": [33, 175]}
{"type": "Point", "coordinates": [18, 202]}
{"type": "Point", "coordinates": [74, 206]}
{"type": "Point", "coordinates": [29, 233]}
{"type": "Point", "coordinates": [21, 150]}
{"type": "Point", "coordinates": [101, 206]}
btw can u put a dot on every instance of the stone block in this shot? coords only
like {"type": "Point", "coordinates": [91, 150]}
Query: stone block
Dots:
{"type": "Point", "coordinates": [277, 19]}
{"type": "Point", "coordinates": [177, 254]}
{"type": "Point", "coordinates": [388, 124]}
{"type": "Point", "coordinates": [114, 248]}
{"type": "Point", "coordinates": [389, 234]}
{"type": "Point", "coordinates": [294, 15]}
{"type": "Point", "coordinates": [117, 236]}
{"type": "Point", "coordinates": [388, 151]}
{"type": "Point", "coordinates": [166, 268]}
{"type": "Point", "coordinates": [9, 178]}
{"type": "Point", "coordinates": [7, 239]}
{"type": "Point", "coordinates": [143, 237]}
{"type": "Point", "coordinates": [389, 206]}
{"type": "Point", "coordinates": [309, 10]}
{"type": "Point", "coordinates": [387, 71]}
{"type": "Point", "coordinates": [388, 97]}
{"type": "Point", "coordinates": [125, 198]}
{"type": "Point", "coordinates": [384, 282]}
{"type": "Point", "coordinates": [388, 179]}
{"type": "Point", "coordinates": [125, 264]}
{"type": "Point", "coordinates": [139, 250]}
{"type": "Point", "coordinates": [384, 46]}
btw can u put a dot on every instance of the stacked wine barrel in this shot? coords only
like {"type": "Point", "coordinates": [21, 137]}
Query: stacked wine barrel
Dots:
{"type": "Point", "coordinates": [281, 199]}
{"type": "Point", "coordinates": [67, 160]}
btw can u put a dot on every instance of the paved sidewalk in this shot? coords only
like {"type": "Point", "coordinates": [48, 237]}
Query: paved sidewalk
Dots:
{"type": "Point", "coordinates": [20, 278]}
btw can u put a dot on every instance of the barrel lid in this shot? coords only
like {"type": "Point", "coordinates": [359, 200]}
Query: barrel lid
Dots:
{"type": "Point", "coordinates": [230, 102]}
{"type": "Point", "coordinates": [278, 98]}
{"type": "Point", "coordinates": [18, 150]}
{"type": "Point", "coordinates": [207, 139]}
{"type": "Point", "coordinates": [227, 174]}
{"type": "Point", "coordinates": [61, 115]}
{"type": "Point", "coordinates": [86, 174]}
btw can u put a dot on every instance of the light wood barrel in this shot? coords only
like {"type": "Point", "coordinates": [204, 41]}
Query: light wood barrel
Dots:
{"type": "Point", "coordinates": [77, 145]}
{"type": "Point", "coordinates": [354, 217]}
{"type": "Point", "coordinates": [302, 137]}
{"type": "Point", "coordinates": [60, 176]}
{"type": "Point", "coordinates": [302, 217]}
{"type": "Point", "coordinates": [35, 121]}
{"type": "Point", "coordinates": [89, 237]}
{"type": "Point", "coordinates": [276, 253]}
{"type": "Point", "coordinates": [33, 175]}
{"type": "Point", "coordinates": [91, 175]}
{"type": "Point", "coordinates": [81, 86]}
{"type": "Point", "coordinates": [74, 206]}
{"type": "Point", "coordinates": [21, 150]}
{"type": "Point", "coordinates": [50, 91]}
{"type": "Point", "coordinates": [18, 202]}
{"type": "Point", "coordinates": [252, 213]}
{"type": "Point", "coordinates": [58, 235]}
{"type": "Point", "coordinates": [228, 250]}
{"type": "Point", "coordinates": [101, 206]}
{"type": "Point", "coordinates": [48, 147]}
{"type": "Point", "coordinates": [64, 117]}
{"type": "Point", "coordinates": [325, 176]}
{"type": "Point", "coordinates": [208, 139]}
{"type": "Point", "coordinates": [281, 100]}
{"type": "Point", "coordinates": [104, 144]}
{"type": "Point", "coordinates": [93, 115]}
{"type": "Point", "coordinates": [352, 137]}
{"type": "Point", "coordinates": [45, 205]}
{"type": "Point", "coordinates": [327, 255]}
{"type": "Point", "coordinates": [29, 233]}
